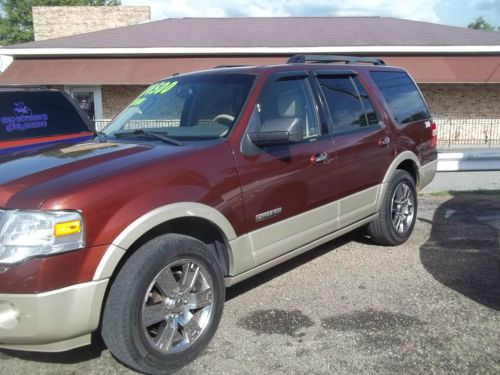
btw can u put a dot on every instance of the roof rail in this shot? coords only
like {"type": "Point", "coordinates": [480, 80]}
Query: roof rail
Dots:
{"type": "Point", "coordinates": [229, 66]}
{"type": "Point", "coordinates": [301, 59]}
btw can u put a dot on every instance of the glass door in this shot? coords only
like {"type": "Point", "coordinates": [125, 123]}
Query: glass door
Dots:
{"type": "Point", "coordinates": [89, 100]}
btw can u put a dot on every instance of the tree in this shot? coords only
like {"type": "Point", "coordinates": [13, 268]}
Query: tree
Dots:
{"type": "Point", "coordinates": [16, 20]}
{"type": "Point", "coordinates": [481, 24]}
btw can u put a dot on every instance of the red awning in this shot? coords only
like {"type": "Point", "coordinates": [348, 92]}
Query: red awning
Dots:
{"type": "Point", "coordinates": [450, 69]}
{"type": "Point", "coordinates": [142, 71]}
{"type": "Point", "coordinates": [114, 71]}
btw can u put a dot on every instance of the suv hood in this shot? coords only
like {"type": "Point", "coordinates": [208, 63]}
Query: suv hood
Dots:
{"type": "Point", "coordinates": [58, 169]}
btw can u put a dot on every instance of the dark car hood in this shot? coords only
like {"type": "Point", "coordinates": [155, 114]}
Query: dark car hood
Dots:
{"type": "Point", "coordinates": [60, 168]}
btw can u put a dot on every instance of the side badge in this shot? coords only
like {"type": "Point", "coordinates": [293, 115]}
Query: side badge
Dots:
{"type": "Point", "coordinates": [268, 214]}
{"type": "Point", "coordinates": [427, 124]}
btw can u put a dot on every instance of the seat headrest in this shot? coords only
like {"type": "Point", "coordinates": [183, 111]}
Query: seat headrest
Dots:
{"type": "Point", "coordinates": [291, 104]}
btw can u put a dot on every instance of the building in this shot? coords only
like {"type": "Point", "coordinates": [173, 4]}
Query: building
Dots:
{"type": "Point", "coordinates": [57, 21]}
{"type": "Point", "coordinates": [457, 69]}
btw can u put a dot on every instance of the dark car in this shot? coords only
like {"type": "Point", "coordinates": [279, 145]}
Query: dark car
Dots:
{"type": "Point", "coordinates": [31, 117]}
{"type": "Point", "coordinates": [206, 179]}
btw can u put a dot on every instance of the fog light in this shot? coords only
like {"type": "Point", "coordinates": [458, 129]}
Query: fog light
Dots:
{"type": "Point", "coordinates": [9, 315]}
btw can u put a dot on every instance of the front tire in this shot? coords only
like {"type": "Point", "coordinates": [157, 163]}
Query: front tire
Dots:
{"type": "Point", "coordinates": [165, 304]}
{"type": "Point", "coordinates": [398, 212]}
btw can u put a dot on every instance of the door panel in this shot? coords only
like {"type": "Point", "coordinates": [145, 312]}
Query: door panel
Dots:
{"type": "Point", "coordinates": [284, 236]}
{"type": "Point", "coordinates": [282, 181]}
{"type": "Point", "coordinates": [361, 160]}
{"type": "Point", "coordinates": [362, 142]}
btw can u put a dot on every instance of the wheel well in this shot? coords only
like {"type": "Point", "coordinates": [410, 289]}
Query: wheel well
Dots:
{"type": "Point", "coordinates": [201, 229]}
{"type": "Point", "coordinates": [410, 167]}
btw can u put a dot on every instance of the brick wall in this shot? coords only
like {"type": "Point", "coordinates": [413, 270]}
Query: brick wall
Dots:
{"type": "Point", "coordinates": [463, 100]}
{"type": "Point", "coordinates": [116, 98]}
{"type": "Point", "coordinates": [57, 21]}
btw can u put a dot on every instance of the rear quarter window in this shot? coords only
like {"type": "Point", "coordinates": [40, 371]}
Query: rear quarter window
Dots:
{"type": "Point", "coordinates": [25, 115]}
{"type": "Point", "coordinates": [402, 96]}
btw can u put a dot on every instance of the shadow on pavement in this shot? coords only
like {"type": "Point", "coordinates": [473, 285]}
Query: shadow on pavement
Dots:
{"type": "Point", "coordinates": [78, 355]}
{"type": "Point", "coordinates": [463, 251]}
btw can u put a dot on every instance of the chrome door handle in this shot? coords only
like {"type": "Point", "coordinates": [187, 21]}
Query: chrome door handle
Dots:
{"type": "Point", "coordinates": [386, 141]}
{"type": "Point", "coordinates": [320, 158]}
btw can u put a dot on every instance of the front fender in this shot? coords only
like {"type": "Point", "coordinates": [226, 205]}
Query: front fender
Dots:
{"type": "Point", "coordinates": [152, 219]}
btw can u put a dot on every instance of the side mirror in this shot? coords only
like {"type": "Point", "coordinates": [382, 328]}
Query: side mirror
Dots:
{"type": "Point", "coordinates": [279, 131]}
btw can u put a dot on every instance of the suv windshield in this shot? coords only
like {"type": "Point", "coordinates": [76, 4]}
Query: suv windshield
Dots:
{"type": "Point", "coordinates": [201, 106]}
{"type": "Point", "coordinates": [33, 114]}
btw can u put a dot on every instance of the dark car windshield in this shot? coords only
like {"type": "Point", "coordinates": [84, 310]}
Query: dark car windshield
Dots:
{"type": "Point", "coordinates": [33, 114]}
{"type": "Point", "coordinates": [200, 106]}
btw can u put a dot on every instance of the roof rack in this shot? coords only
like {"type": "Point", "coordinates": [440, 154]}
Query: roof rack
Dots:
{"type": "Point", "coordinates": [229, 66]}
{"type": "Point", "coordinates": [301, 59]}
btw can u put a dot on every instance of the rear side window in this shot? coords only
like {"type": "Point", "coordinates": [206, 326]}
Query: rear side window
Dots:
{"type": "Point", "coordinates": [401, 95]}
{"type": "Point", "coordinates": [348, 103]}
{"type": "Point", "coordinates": [25, 114]}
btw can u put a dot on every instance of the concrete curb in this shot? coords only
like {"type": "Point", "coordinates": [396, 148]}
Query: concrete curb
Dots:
{"type": "Point", "coordinates": [469, 160]}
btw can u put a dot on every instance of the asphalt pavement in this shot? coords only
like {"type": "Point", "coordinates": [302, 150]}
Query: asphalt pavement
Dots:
{"type": "Point", "coordinates": [464, 181]}
{"type": "Point", "coordinates": [429, 306]}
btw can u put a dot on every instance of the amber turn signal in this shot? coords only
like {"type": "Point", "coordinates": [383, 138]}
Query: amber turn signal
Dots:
{"type": "Point", "coordinates": [67, 228]}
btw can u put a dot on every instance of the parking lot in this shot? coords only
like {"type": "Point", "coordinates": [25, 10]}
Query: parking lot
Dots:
{"type": "Point", "coordinates": [431, 305]}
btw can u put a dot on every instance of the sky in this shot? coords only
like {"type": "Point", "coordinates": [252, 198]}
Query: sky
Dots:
{"type": "Point", "coordinates": [448, 12]}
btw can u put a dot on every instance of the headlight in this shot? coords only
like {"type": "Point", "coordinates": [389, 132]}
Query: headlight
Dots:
{"type": "Point", "coordinates": [28, 234]}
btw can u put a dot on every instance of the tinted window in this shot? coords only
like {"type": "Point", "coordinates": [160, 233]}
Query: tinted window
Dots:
{"type": "Point", "coordinates": [345, 105]}
{"type": "Point", "coordinates": [25, 114]}
{"type": "Point", "coordinates": [401, 95]}
{"type": "Point", "coordinates": [289, 97]}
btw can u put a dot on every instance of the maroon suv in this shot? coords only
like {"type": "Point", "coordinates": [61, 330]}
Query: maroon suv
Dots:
{"type": "Point", "coordinates": [206, 179]}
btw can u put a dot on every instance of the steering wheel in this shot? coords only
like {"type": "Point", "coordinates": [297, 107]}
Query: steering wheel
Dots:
{"type": "Point", "coordinates": [224, 119]}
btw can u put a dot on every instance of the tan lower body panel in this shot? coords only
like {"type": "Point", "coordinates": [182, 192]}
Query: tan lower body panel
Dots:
{"type": "Point", "coordinates": [254, 271]}
{"type": "Point", "coordinates": [426, 174]}
{"type": "Point", "coordinates": [53, 321]}
{"type": "Point", "coordinates": [271, 242]}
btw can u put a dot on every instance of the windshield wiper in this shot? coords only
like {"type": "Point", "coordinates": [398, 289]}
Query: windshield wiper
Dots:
{"type": "Point", "coordinates": [101, 137]}
{"type": "Point", "coordinates": [161, 136]}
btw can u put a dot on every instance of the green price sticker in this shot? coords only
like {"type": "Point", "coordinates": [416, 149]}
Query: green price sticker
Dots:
{"type": "Point", "coordinates": [159, 88]}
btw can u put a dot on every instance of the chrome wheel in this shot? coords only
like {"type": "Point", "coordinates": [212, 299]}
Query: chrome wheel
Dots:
{"type": "Point", "coordinates": [402, 208]}
{"type": "Point", "coordinates": [177, 306]}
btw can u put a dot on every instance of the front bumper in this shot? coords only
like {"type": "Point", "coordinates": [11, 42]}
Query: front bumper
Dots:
{"type": "Point", "coordinates": [53, 321]}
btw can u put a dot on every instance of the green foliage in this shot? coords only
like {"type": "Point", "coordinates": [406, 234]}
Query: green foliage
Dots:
{"type": "Point", "coordinates": [481, 24]}
{"type": "Point", "coordinates": [16, 23]}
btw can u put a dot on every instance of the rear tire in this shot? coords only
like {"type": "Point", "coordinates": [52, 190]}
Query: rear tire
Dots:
{"type": "Point", "coordinates": [398, 212]}
{"type": "Point", "coordinates": [165, 305]}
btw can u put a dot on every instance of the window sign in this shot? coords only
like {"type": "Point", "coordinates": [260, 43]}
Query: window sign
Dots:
{"type": "Point", "coordinates": [23, 118]}
{"type": "Point", "coordinates": [31, 114]}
